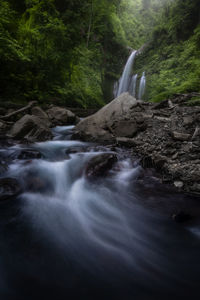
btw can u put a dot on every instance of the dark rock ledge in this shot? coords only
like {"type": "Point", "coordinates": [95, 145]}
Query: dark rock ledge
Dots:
{"type": "Point", "coordinates": [165, 136]}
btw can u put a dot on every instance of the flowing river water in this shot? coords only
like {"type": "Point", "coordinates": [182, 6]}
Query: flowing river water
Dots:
{"type": "Point", "coordinates": [68, 238]}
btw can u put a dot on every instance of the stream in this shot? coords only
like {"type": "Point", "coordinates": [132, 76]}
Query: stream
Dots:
{"type": "Point", "coordinates": [68, 238]}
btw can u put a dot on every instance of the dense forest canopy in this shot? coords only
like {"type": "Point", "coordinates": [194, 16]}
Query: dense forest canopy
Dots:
{"type": "Point", "coordinates": [71, 51]}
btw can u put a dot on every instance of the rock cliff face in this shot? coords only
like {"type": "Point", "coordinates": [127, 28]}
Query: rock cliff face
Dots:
{"type": "Point", "coordinates": [166, 136]}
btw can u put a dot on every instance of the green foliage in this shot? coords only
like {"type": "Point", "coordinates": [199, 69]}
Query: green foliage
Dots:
{"type": "Point", "coordinates": [58, 49]}
{"type": "Point", "coordinates": [44, 37]}
{"type": "Point", "coordinates": [12, 58]}
{"type": "Point", "coordinates": [85, 84]}
{"type": "Point", "coordinates": [138, 17]}
{"type": "Point", "coordinates": [72, 51]}
{"type": "Point", "coordinates": [172, 58]}
{"type": "Point", "coordinates": [194, 101]}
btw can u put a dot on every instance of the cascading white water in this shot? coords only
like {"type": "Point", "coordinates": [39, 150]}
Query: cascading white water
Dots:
{"type": "Point", "coordinates": [132, 88]}
{"type": "Point", "coordinates": [142, 86]}
{"type": "Point", "coordinates": [115, 89]}
{"type": "Point", "coordinates": [66, 233]}
{"type": "Point", "coordinates": [125, 79]}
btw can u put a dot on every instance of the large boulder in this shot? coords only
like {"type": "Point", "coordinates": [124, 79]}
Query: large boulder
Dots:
{"type": "Point", "coordinates": [116, 119]}
{"type": "Point", "coordinates": [38, 112]}
{"type": "Point", "coordinates": [61, 116]}
{"type": "Point", "coordinates": [30, 128]}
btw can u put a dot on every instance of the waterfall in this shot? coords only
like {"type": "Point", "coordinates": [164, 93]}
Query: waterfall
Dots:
{"type": "Point", "coordinates": [125, 79]}
{"type": "Point", "coordinates": [142, 86]}
{"type": "Point", "coordinates": [115, 89]}
{"type": "Point", "coordinates": [132, 89]}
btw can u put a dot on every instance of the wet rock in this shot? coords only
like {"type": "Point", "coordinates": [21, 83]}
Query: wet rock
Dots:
{"type": "Point", "coordinates": [29, 154]}
{"type": "Point", "coordinates": [128, 128]}
{"type": "Point", "coordinates": [100, 165]}
{"type": "Point", "coordinates": [104, 136]}
{"type": "Point", "coordinates": [38, 112]}
{"type": "Point", "coordinates": [75, 149]}
{"type": "Point", "coordinates": [180, 136]}
{"type": "Point", "coordinates": [165, 137]}
{"type": "Point", "coordinates": [2, 125]}
{"type": "Point", "coordinates": [181, 217]}
{"type": "Point", "coordinates": [188, 120]}
{"type": "Point", "coordinates": [36, 184]}
{"type": "Point", "coordinates": [30, 128]}
{"type": "Point", "coordinates": [155, 161]}
{"type": "Point", "coordinates": [116, 119]}
{"type": "Point", "coordinates": [3, 128]}
{"type": "Point", "coordinates": [9, 188]}
{"type": "Point", "coordinates": [147, 162]}
{"type": "Point", "coordinates": [61, 116]}
{"type": "Point", "coordinates": [159, 161]}
{"type": "Point", "coordinates": [3, 168]}
{"type": "Point", "coordinates": [196, 187]}
{"type": "Point", "coordinates": [83, 112]}
{"type": "Point", "coordinates": [162, 104]}
{"type": "Point", "coordinates": [178, 184]}
{"type": "Point", "coordinates": [196, 134]}
{"type": "Point", "coordinates": [127, 142]}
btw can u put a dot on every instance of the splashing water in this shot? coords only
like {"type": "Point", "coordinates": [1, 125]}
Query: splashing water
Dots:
{"type": "Point", "coordinates": [132, 88]}
{"type": "Point", "coordinates": [115, 89]}
{"type": "Point", "coordinates": [142, 86]}
{"type": "Point", "coordinates": [91, 240]}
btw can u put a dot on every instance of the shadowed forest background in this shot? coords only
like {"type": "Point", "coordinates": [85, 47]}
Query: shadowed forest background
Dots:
{"type": "Point", "coordinates": [71, 52]}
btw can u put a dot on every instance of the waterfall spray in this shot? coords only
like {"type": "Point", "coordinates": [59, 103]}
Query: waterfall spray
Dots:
{"type": "Point", "coordinates": [132, 88]}
{"type": "Point", "coordinates": [142, 86]}
{"type": "Point", "coordinates": [115, 89]}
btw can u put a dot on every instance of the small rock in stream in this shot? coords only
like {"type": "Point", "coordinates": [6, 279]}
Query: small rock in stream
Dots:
{"type": "Point", "coordinates": [3, 168]}
{"type": "Point", "coordinates": [29, 154]}
{"type": "Point", "coordinates": [178, 184]}
{"type": "Point", "coordinates": [100, 165]}
{"type": "Point", "coordinates": [181, 217]}
{"type": "Point", "coordinates": [9, 188]}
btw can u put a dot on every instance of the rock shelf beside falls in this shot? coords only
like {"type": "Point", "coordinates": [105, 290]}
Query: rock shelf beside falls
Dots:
{"type": "Point", "coordinates": [166, 135]}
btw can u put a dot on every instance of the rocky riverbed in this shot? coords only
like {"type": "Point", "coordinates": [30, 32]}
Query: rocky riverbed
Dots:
{"type": "Point", "coordinates": [32, 124]}
{"type": "Point", "coordinates": [86, 220]}
{"type": "Point", "coordinates": [165, 136]}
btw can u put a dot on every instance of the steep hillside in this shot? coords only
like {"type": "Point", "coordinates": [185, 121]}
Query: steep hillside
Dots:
{"type": "Point", "coordinates": [172, 56]}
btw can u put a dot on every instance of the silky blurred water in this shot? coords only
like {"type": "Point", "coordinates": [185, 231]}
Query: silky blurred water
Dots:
{"type": "Point", "coordinates": [68, 238]}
